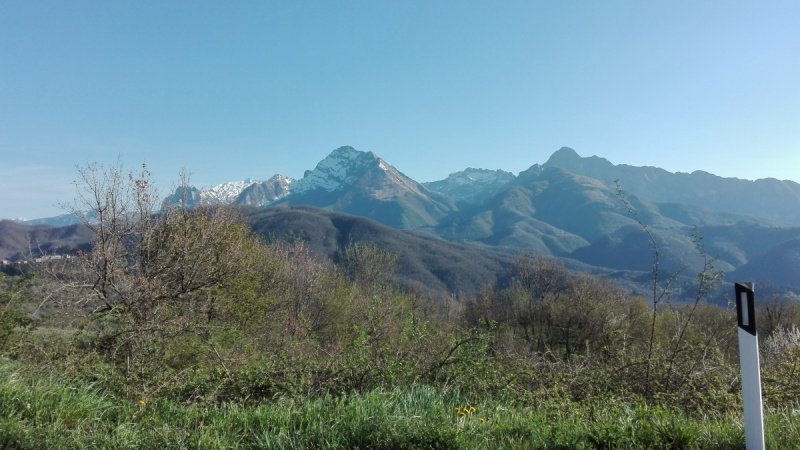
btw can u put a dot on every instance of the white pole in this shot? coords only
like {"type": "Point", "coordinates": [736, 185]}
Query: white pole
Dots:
{"type": "Point", "coordinates": [751, 372]}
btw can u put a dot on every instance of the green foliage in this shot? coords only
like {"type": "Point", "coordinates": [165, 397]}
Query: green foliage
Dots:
{"type": "Point", "coordinates": [781, 368]}
{"type": "Point", "coordinates": [292, 331]}
{"type": "Point", "coordinates": [193, 333]}
{"type": "Point", "coordinates": [39, 410]}
{"type": "Point", "coordinates": [14, 320]}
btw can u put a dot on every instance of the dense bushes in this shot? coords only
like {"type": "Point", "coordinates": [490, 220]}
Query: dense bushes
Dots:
{"type": "Point", "coordinates": [227, 318]}
{"type": "Point", "coordinates": [189, 308]}
{"type": "Point", "coordinates": [287, 325]}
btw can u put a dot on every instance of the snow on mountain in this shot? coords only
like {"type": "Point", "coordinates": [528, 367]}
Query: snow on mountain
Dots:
{"type": "Point", "coordinates": [345, 166]}
{"type": "Point", "coordinates": [471, 185]}
{"type": "Point", "coordinates": [479, 176]}
{"type": "Point", "coordinates": [341, 168]}
{"type": "Point", "coordinates": [363, 184]}
{"type": "Point", "coordinates": [183, 197]}
{"type": "Point", "coordinates": [225, 193]}
{"type": "Point", "coordinates": [397, 181]}
{"type": "Point", "coordinates": [263, 194]}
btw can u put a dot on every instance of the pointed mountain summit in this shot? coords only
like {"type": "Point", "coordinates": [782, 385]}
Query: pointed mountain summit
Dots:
{"type": "Point", "coordinates": [602, 169]}
{"type": "Point", "coordinates": [361, 183]}
{"type": "Point", "coordinates": [341, 168]}
{"type": "Point", "coordinates": [564, 155]}
{"type": "Point", "coordinates": [568, 159]}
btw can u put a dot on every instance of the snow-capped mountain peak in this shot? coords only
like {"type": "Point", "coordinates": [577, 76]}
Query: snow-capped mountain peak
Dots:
{"type": "Point", "coordinates": [225, 193]}
{"type": "Point", "coordinates": [342, 167]}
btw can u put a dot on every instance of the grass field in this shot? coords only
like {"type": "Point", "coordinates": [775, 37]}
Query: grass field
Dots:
{"type": "Point", "coordinates": [46, 412]}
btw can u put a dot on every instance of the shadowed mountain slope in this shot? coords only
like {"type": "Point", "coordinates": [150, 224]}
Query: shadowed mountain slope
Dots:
{"type": "Point", "coordinates": [425, 261]}
{"type": "Point", "coordinates": [550, 211]}
{"type": "Point", "coordinates": [769, 198]}
{"type": "Point", "coordinates": [780, 266]}
{"type": "Point", "coordinates": [21, 241]}
{"type": "Point", "coordinates": [264, 193]}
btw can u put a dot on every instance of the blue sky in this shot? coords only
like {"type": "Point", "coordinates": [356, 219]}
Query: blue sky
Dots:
{"type": "Point", "coordinates": [231, 90]}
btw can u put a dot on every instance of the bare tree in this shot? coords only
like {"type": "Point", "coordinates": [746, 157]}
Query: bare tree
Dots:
{"type": "Point", "coordinates": [538, 280]}
{"type": "Point", "coordinates": [153, 275]}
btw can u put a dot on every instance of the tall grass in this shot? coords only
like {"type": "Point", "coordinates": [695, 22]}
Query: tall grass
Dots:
{"type": "Point", "coordinates": [43, 411]}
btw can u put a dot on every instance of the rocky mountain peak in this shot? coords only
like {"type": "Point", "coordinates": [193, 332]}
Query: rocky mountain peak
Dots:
{"type": "Point", "coordinates": [568, 159]}
{"type": "Point", "coordinates": [563, 155]}
{"type": "Point", "coordinates": [348, 152]}
{"type": "Point", "coordinates": [184, 196]}
{"type": "Point", "coordinates": [263, 194]}
{"type": "Point", "coordinates": [225, 193]}
{"type": "Point", "coordinates": [341, 167]}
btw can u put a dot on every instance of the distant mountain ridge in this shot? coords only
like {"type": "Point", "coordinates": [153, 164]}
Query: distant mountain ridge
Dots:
{"type": "Point", "coordinates": [244, 193]}
{"type": "Point", "coordinates": [568, 207]}
{"type": "Point", "coordinates": [471, 185]}
{"type": "Point", "coordinates": [768, 198]}
{"type": "Point", "coordinates": [19, 242]}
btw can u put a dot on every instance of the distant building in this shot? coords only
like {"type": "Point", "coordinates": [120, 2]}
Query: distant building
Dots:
{"type": "Point", "coordinates": [46, 258]}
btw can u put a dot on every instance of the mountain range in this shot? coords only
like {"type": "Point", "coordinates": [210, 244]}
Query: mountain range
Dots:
{"type": "Point", "coordinates": [584, 210]}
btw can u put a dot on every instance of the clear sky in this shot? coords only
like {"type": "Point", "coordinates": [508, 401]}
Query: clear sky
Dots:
{"type": "Point", "coordinates": [234, 90]}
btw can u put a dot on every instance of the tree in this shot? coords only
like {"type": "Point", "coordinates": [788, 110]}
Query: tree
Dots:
{"type": "Point", "coordinates": [670, 367]}
{"type": "Point", "coordinates": [152, 276]}
{"type": "Point", "coordinates": [12, 317]}
{"type": "Point", "coordinates": [537, 281]}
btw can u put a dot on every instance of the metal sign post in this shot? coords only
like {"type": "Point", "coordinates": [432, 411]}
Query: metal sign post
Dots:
{"type": "Point", "coordinates": [751, 371]}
